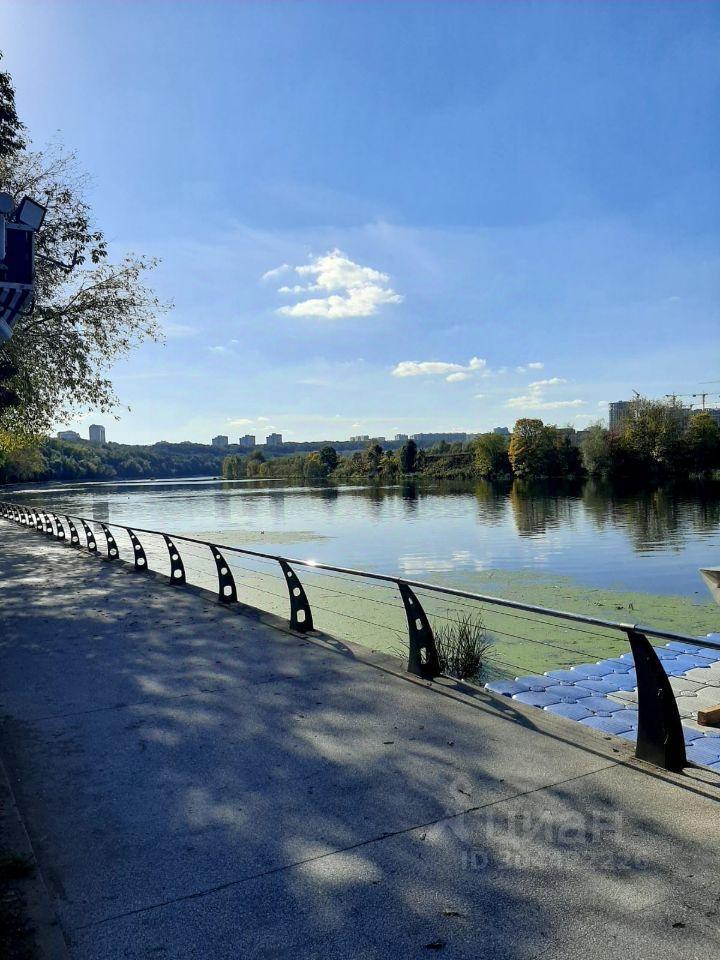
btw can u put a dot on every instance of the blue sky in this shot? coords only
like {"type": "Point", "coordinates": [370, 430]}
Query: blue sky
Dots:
{"type": "Point", "coordinates": [399, 216]}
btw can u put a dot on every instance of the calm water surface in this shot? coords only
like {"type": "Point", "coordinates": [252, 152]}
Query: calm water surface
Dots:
{"type": "Point", "coordinates": [652, 542]}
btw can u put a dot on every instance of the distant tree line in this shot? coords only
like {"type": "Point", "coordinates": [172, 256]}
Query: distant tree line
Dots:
{"type": "Point", "coordinates": [657, 440]}
{"type": "Point", "coordinates": [66, 460]}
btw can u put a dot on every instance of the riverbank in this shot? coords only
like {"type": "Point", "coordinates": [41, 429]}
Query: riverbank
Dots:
{"type": "Point", "coordinates": [185, 774]}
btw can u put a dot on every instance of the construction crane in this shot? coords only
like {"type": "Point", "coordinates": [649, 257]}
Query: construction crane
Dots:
{"type": "Point", "coordinates": [674, 396]}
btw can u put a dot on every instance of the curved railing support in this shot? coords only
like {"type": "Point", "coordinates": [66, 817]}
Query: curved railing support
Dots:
{"type": "Point", "coordinates": [138, 552]}
{"type": "Point", "coordinates": [112, 548]}
{"type": "Point", "coordinates": [74, 538]}
{"type": "Point", "coordinates": [660, 737]}
{"type": "Point", "coordinates": [90, 537]}
{"type": "Point", "coordinates": [60, 534]}
{"type": "Point", "coordinates": [300, 612]}
{"type": "Point", "coordinates": [227, 592]}
{"type": "Point", "coordinates": [423, 658]}
{"type": "Point", "coordinates": [177, 570]}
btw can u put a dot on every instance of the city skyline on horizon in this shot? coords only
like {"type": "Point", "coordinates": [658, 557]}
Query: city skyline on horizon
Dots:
{"type": "Point", "coordinates": [520, 222]}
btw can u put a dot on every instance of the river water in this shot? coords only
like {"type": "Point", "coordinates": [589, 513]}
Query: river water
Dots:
{"type": "Point", "coordinates": [652, 542]}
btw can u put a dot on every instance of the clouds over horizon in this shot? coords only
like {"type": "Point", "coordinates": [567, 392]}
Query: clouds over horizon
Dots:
{"type": "Point", "coordinates": [453, 372]}
{"type": "Point", "coordinates": [348, 289]}
{"type": "Point", "coordinates": [536, 399]}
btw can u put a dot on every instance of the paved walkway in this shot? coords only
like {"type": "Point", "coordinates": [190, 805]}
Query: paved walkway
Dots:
{"type": "Point", "coordinates": [198, 784]}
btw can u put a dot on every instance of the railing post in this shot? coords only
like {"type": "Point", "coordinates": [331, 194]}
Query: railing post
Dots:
{"type": "Point", "coordinates": [37, 521]}
{"type": "Point", "coordinates": [138, 552]}
{"type": "Point", "coordinates": [90, 537]}
{"type": "Point", "coordinates": [423, 658]}
{"type": "Point", "coordinates": [300, 612]}
{"type": "Point", "coordinates": [112, 548]}
{"type": "Point", "coordinates": [60, 528]}
{"type": "Point", "coordinates": [74, 538]}
{"type": "Point", "coordinates": [660, 738]}
{"type": "Point", "coordinates": [226, 582]}
{"type": "Point", "coordinates": [177, 570]}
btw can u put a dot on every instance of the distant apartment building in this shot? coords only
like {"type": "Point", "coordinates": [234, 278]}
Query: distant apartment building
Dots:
{"type": "Point", "coordinates": [96, 433]}
{"type": "Point", "coordinates": [220, 440]}
{"type": "Point", "coordinates": [274, 440]}
{"type": "Point", "coordinates": [68, 435]}
{"type": "Point", "coordinates": [247, 442]}
{"type": "Point", "coordinates": [428, 439]}
{"type": "Point", "coordinates": [714, 412]}
{"type": "Point", "coordinates": [401, 437]}
{"type": "Point", "coordinates": [501, 431]}
{"type": "Point", "coordinates": [360, 438]}
{"type": "Point", "coordinates": [619, 412]}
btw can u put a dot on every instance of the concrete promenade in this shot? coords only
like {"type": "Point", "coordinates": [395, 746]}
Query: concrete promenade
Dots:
{"type": "Point", "coordinates": [197, 783]}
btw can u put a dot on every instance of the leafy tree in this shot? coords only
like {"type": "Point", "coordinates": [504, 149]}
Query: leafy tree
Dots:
{"type": "Point", "coordinates": [595, 450]}
{"type": "Point", "coordinates": [490, 451]}
{"type": "Point", "coordinates": [12, 138]}
{"type": "Point", "coordinates": [702, 439]}
{"type": "Point", "coordinates": [328, 456]}
{"type": "Point", "coordinates": [532, 449]}
{"type": "Point", "coordinates": [408, 457]}
{"type": "Point", "coordinates": [314, 468]}
{"type": "Point", "coordinates": [255, 463]}
{"type": "Point", "coordinates": [373, 455]}
{"type": "Point", "coordinates": [233, 467]}
{"type": "Point", "coordinates": [87, 313]}
{"type": "Point", "coordinates": [653, 434]}
{"type": "Point", "coordinates": [566, 461]}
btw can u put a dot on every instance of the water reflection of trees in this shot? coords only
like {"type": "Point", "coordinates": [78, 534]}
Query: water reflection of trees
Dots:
{"type": "Point", "coordinates": [538, 507]}
{"type": "Point", "coordinates": [666, 515]}
{"type": "Point", "coordinates": [492, 502]}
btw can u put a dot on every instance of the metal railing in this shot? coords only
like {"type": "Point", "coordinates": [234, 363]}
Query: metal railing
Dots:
{"type": "Point", "coordinates": [660, 738]}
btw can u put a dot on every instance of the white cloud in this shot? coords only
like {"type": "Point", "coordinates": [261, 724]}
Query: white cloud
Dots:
{"type": "Point", "coordinates": [217, 349]}
{"type": "Point", "coordinates": [478, 396]}
{"type": "Point", "coordinates": [535, 401]}
{"type": "Point", "coordinates": [276, 271]}
{"type": "Point", "coordinates": [536, 365]}
{"type": "Point", "coordinates": [453, 372]}
{"type": "Point", "coordinates": [347, 289]}
{"type": "Point", "coordinates": [551, 382]}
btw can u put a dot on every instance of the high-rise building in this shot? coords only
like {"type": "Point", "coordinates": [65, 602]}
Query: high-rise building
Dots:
{"type": "Point", "coordinates": [502, 431]}
{"type": "Point", "coordinates": [619, 412]}
{"type": "Point", "coordinates": [401, 437]}
{"type": "Point", "coordinates": [68, 435]}
{"type": "Point", "coordinates": [247, 442]}
{"type": "Point", "coordinates": [274, 440]}
{"type": "Point", "coordinates": [96, 434]}
{"type": "Point", "coordinates": [220, 440]}
{"type": "Point", "coordinates": [360, 438]}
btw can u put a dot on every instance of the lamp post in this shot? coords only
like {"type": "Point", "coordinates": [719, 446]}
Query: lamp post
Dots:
{"type": "Point", "coordinates": [18, 226]}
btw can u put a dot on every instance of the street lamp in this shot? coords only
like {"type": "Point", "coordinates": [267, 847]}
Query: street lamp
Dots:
{"type": "Point", "coordinates": [18, 226]}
